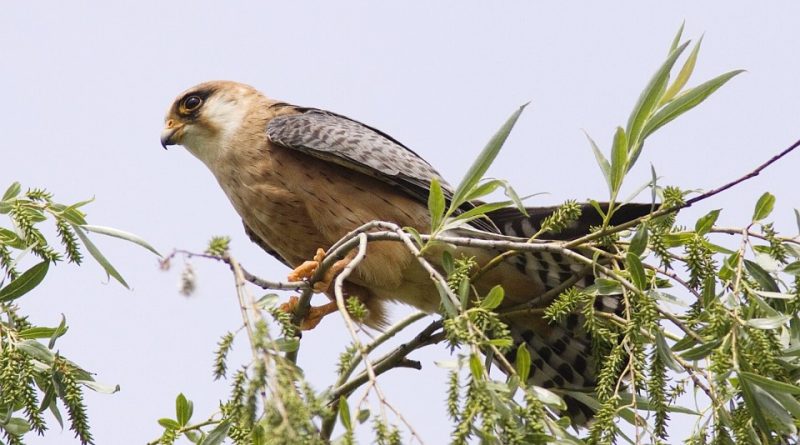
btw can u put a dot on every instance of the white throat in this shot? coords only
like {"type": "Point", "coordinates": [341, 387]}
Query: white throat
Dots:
{"type": "Point", "coordinates": [227, 116]}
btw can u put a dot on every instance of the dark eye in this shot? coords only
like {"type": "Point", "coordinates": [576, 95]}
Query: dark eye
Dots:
{"type": "Point", "coordinates": [192, 103]}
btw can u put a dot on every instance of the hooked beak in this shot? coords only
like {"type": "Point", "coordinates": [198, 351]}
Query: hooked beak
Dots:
{"type": "Point", "coordinates": [169, 133]}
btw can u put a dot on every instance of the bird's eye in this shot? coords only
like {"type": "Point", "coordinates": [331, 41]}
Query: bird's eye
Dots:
{"type": "Point", "coordinates": [192, 103]}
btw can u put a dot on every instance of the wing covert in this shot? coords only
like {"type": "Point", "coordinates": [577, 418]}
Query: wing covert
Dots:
{"type": "Point", "coordinates": [355, 146]}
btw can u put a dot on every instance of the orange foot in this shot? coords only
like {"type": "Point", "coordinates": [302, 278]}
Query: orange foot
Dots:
{"type": "Point", "coordinates": [308, 268]}
{"type": "Point", "coordinates": [314, 315]}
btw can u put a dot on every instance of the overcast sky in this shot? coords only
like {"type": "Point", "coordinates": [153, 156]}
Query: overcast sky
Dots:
{"type": "Point", "coordinates": [87, 86]}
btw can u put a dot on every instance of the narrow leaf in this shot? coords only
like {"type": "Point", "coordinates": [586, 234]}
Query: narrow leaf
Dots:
{"type": "Point", "coordinates": [475, 367]}
{"type": "Point", "coordinates": [792, 268]}
{"type": "Point", "coordinates": [25, 282]}
{"type": "Point", "coordinates": [650, 97]}
{"type": "Point", "coordinates": [605, 166]}
{"type": "Point", "coordinates": [436, 203]}
{"type": "Point", "coordinates": [37, 351]}
{"type": "Point", "coordinates": [58, 332]}
{"type": "Point", "coordinates": [663, 351]}
{"type": "Point", "coordinates": [769, 384]}
{"type": "Point", "coordinates": [619, 160]}
{"type": "Point", "coordinates": [764, 206]}
{"type": "Point", "coordinates": [685, 102]}
{"type": "Point", "coordinates": [769, 323]}
{"type": "Point", "coordinates": [634, 266]}
{"type": "Point", "coordinates": [12, 191]}
{"type": "Point", "coordinates": [99, 387]}
{"type": "Point", "coordinates": [677, 40]}
{"type": "Point", "coordinates": [183, 409]}
{"type": "Point", "coordinates": [639, 240]}
{"type": "Point", "coordinates": [109, 231]}
{"type": "Point", "coordinates": [169, 424]}
{"type": "Point", "coordinates": [523, 362]}
{"type": "Point", "coordinates": [218, 434]}
{"type": "Point", "coordinates": [762, 277]}
{"type": "Point", "coordinates": [778, 295]}
{"type": "Point", "coordinates": [95, 252]}
{"type": "Point", "coordinates": [485, 159]}
{"type": "Point", "coordinates": [484, 189]}
{"type": "Point", "coordinates": [344, 414]}
{"type": "Point", "coordinates": [683, 75]}
{"type": "Point", "coordinates": [700, 351]}
{"type": "Point", "coordinates": [705, 223]}
{"type": "Point", "coordinates": [493, 298]}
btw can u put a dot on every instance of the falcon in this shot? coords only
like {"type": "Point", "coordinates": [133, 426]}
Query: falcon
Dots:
{"type": "Point", "coordinates": [301, 178]}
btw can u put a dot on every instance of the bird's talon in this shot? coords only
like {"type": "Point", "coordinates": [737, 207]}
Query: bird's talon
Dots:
{"type": "Point", "coordinates": [306, 270]}
{"type": "Point", "coordinates": [314, 315]}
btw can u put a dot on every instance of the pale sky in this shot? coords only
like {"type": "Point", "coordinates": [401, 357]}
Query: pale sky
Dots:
{"type": "Point", "coordinates": [87, 85]}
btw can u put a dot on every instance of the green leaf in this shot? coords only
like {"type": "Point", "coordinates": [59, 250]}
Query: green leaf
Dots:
{"type": "Point", "coordinates": [792, 268]}
{"type": "Point", "coordinates": [287, 344]}
{"type": "Point", "coordinates": [649, 98]}
{"type": "Point", "coordinates": [99, 387]}
{"type": "Point", "coordinates": [634, 266]}
{"type": "Point", "coordinates": [705, 223]}
{"type": "Point", "coordinates": [604, 286]}
{"type": "Point", "coordinates": [36, 350]}
{"type": "Point", "coordinates": [685, 102]}
{"type": "Point", "coordinates": [218, 434]}
{"type": "Point", "coordinates": [769, 323]}
{"type": "Point", "coordinates": [183, 409]}
{"type": "Point", "coordinates": [444, 296]}
{"type": "Point", "coordinates": [12, 191]}
{"type": "Point", "coordinates": [344, 414]}
{"type": "Point", "coordinates": [677, 239]}
{"type": "Point", "coordinates": [448, 264]}
{"type": "Point", "coordinates": [764, 206]}
{"type": "Point", "coordinates": [25, 282]}
{"type": "Point", "coordinates": [169, 424]}
{"type": "Point", "coordinates": [484, 160]}
{"type": "Point", "coordinates": [363, 415]}
{"type": "Point", "coordinates": [778, 295]}
{"type": "Point", "coordinates": [769, 384]}
{"type": "Point", "coordinates": [493, 298]}
{"type": "Point", "coordinates": [109, 231]}
{"type": "Point", "coordinates": [700, 351]}
{"type": "Point", "coordinates": [484, 189]}
{"type": "Point", "coordinates": [523, 362]}
{"type": "Point", "coordinates": [58, 332]}
{"type": "Point", "coordinates": [663, 351]}
{"type": "Point", "coordinates": [602, 162]}
{"type": "Point", "coordinates": [777, 414]}
{"type": "Point", "coordinates": [480, 211]}
{"type": "Point", "coordinates": [40, 332]}
{"type": "Point", "coordinates": [463, 291]}
{"type": "Point", "coordinates": [11, 239]}
{"type": "Point", "coordinates": [619, 160]}
{"type": "Point", "coordinates": [414, 233]}
{"type": "Point", "coordinates": [548, 397]}
{"type": "Point", "coordinates": [639, 240]}
{"type": "Point", "coordinates": [683, 75]}
{"type": "Point", "coordinates": [762, 277]}
{"type": "Point", "coordinates": [436, 203]}
{"type": "Point", "coordinates": [475, 367]}
{"type": "Point", "coordinates": [95, 252]}
{"type": "Point", "coordinates": [17, 426]}
{"type": "Point", "coordinates": [677, 40]}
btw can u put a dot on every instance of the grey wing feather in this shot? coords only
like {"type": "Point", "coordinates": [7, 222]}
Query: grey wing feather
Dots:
{"type": "Point", "coordinates": [353, 145]}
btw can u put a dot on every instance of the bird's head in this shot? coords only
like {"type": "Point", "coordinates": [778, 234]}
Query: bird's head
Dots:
{"type": "Point", "coordinates": [205, 117]}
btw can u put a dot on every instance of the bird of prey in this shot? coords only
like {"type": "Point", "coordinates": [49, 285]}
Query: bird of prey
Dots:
{"type": "Point", "coordinates": [301, 178]}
